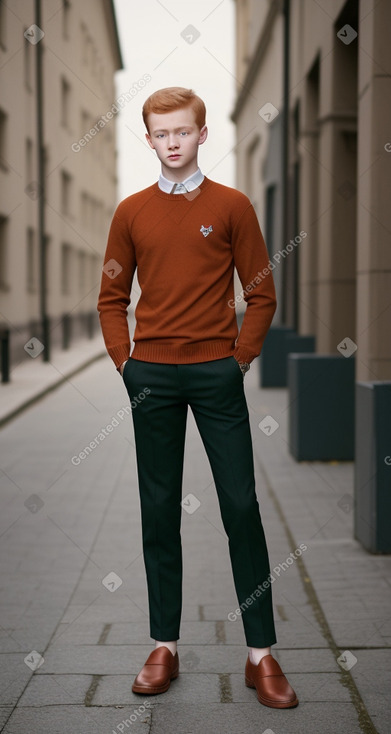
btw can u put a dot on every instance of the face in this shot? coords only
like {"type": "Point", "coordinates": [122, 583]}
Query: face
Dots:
{"type": "Point", "coordinates": [175, 137]}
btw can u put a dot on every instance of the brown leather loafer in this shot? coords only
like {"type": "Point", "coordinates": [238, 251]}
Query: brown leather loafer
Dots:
{"type": "Point", "coordinates": [271, 684]}
{"type": "Point", "coordinates": [159, 670]}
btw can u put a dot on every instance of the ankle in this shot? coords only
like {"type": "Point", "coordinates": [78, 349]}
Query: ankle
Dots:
{"type": "Point", "coordinates": [257, 653]}
{"type": "Point", "coordinates": [171, 645]}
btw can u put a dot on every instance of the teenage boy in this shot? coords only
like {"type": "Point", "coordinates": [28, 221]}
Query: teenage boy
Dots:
{"type": "Point", "coordinates": [185, 234]}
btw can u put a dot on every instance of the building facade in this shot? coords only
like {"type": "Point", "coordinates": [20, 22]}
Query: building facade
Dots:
{"type": "Point", "coordinates": [313, 114]}
{"type": "Point", "coordinates": [75, 191]}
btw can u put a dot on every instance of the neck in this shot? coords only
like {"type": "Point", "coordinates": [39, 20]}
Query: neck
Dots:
{"type": "Point", "coordinates": [179, 174]}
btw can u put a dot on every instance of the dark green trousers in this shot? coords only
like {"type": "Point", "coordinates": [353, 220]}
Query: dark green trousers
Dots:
{"type": "Point", "coordinates": [160, 395]}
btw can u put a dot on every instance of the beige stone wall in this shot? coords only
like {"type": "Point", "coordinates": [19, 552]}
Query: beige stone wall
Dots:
{"type": "Point", "coordinates": [250, 19]}
{"type": "Point", "coordinates": [80, 57]}
{"type": "Point", "coordinates": [343, 149]}
{"type": "Point", "coordinates": [252, 132]}
{"type": "Point", "coordinates": [373, 306]}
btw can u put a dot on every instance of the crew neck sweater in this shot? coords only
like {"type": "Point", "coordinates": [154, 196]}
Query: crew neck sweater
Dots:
{"type": "Point", "coordinates": [185, 248]}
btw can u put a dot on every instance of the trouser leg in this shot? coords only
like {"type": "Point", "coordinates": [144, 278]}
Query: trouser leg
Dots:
{"type": "Point", "coordinates": [216, 397]}
{"type": "Point", "coordinates": [159, 426]}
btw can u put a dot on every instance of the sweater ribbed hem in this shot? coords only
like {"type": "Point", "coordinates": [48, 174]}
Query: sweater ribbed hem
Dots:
{"type": "Point", "coordinates": [180, 354]}
{"type": "Point", "coordinates": [183, 353]}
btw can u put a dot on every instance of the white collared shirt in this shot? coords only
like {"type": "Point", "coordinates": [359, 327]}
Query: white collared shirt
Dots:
{"type": "Point", "coordinates": [191, 183]}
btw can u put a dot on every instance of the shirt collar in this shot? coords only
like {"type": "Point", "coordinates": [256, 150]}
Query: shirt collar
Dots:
{"type": "Point", "coordinates": [191, 183]}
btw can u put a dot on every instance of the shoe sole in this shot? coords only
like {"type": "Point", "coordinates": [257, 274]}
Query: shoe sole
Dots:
{"type": "Point", "coordinates": [268, 702]}
{"type": "Point", "coordinates": [155, 689]}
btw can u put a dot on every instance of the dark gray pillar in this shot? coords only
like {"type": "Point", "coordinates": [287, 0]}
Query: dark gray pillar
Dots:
{"type": "Point", "coordinates": [372, 477]}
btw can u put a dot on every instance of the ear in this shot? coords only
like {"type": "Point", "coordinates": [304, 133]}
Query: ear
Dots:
{"type": "Point", "coordinates": [149, 141]}
{"type": "Point", "coordinates": [203, 135]}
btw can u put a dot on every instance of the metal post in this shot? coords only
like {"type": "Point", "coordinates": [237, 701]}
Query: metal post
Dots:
{"type": "Point", "coordinates": [285, 157]}
{"type": "Point", "coordinates": [66, 331]}
{"type": "Point", "coordinates": [5, 354]}
{"type": "Point", "coordinates": [45, 332]}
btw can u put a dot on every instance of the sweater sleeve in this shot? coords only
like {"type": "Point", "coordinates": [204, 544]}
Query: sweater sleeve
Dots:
{"type": "Point", "coordinates": [251, 260]}
{"type": "Point", "coordinates": [116, 283]}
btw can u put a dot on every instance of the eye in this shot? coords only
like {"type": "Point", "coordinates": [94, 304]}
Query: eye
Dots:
{"type": "Point", "coordinates": [184, 132]}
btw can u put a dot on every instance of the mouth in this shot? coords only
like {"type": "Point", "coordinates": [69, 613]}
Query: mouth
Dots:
{"type": "Point", "coordinates": [174, 156]}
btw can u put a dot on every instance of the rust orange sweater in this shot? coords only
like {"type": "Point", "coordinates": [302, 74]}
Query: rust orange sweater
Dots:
{"type": "Point", "coordinates": [185, 248]}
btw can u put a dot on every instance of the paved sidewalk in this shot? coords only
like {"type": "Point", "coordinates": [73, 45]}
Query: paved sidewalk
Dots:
{"type": "Point", "coordinates": [71, 518]}
{"type": "Point", "coordinates": [33, 378]}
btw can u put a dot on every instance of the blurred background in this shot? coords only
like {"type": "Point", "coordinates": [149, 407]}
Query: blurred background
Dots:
{"type": "Point", "coordinates": [298, 109]}
{"type": "Point", "coordinates": [298, 98]}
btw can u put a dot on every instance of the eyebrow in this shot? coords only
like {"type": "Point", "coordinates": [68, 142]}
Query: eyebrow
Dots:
{"type": "Point", "coordinates": [181, 127]}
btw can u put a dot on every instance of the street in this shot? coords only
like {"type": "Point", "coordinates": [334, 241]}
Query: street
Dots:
{"type": "Point", "coordinates": [74, 618]}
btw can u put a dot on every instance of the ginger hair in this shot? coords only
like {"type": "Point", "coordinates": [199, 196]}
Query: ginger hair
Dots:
{"type": "Point", "coordinates": [174, 98]}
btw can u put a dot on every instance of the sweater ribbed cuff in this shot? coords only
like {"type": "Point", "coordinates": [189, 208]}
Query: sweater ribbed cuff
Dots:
{"type": "Point", "coordinates": [119, 354]}
{"type": "Point", "coordinates": [242, 354]}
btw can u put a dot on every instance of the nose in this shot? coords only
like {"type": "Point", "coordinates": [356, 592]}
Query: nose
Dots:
{"type": "Point", "coordinates": [172, 141]}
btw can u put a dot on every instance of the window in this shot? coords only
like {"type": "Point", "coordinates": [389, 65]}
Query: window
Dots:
{"type": "Point", "coordinates": [83, 208]}
{"type": "Point", "coordinates": [250, 170]}
{"type": "Point", "coordinates": [46, 241]}
{"type": "Point", "coordinates": [3, 26]}
{"type": "Point", "coordinates": [87, 211]}
{"type": "Point", "coordinates": [66, 11]}
{"type": "Point", "coordinates": [82, 270]}
{"type": "Point", "coordinates": [85, 123]}
{"type": "Point", "coordinates": [66, 190]}
{"type": "Point", "coordinates": [100, 217]}
{"type": "Point", "coordinates": [3, 253]}
{"type": "Point", "coordinates": [28, 63]}
{"type": "Point", "coordinates": [66, 268]}
{"type": "Point", "coordinates": [270, 214]}
{"type": "Point", "coordinates": [31, 264]}
{"type": "Point", "coordinates": [65, 103]}
{"type": "Point", "coordinates": [87, 46]}
{"type": "Point", "coordinates": [46, 170]}
{"type": "Point", "coordinates": [83, 36]}
{"type": "Point", "coordinates": [94, 61]}
{"type": "Point", "coordinates": [93, 225]}
{"type": "Point", "coordinates": [29, 160]}
{"type": "Point", "coordinates": [108, 217]}
{"type": "Point", "coordinates": [101, 73]}
{"type": "Point", "coordinates": [3, 140]}
{"type": "Point", "coordinates": [94, 271]}
{"type": "Point", "coordinates": [89, 51]}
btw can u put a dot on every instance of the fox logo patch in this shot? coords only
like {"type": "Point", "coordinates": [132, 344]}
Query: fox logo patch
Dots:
{"type": "Point", "coordinates": [206, 230]}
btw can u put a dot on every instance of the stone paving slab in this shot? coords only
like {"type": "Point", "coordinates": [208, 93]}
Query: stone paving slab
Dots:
{"type": "Point", "coordinates": [54, 690]}
{"type": "Point", "coordinates": [359, 632]}
{"type": "Point", "coordinates": [372, 673]}
{"type": "Point", "coordinates": [101, 612]}
{"type": "Point", "coordinates": [313, 687]}
{"type": "Point", "coordinates": [298, 636]}
{"type": "Point", "coordinates": [128, 659]}
{"type": "Point", "coordinates": [5, 713]}
{"type": "Point", "coordinates": [117, 690]}
{"type": "Point", "coordinates": [94, 642]}
{"type": "Point", "coordinates": [88, 720]}
{"type": "Point", "coordinates": [352, 586]}
{"type": "Point", "coordinates": [240, 718]}
{"type": "Point", "coordinates": [33, 376]}
{"type": "Point", "coordinates": [14, 676]}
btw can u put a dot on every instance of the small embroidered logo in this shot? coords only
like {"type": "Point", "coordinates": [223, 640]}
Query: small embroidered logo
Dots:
{"type": "Point", "coordinates": [206, 230]}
